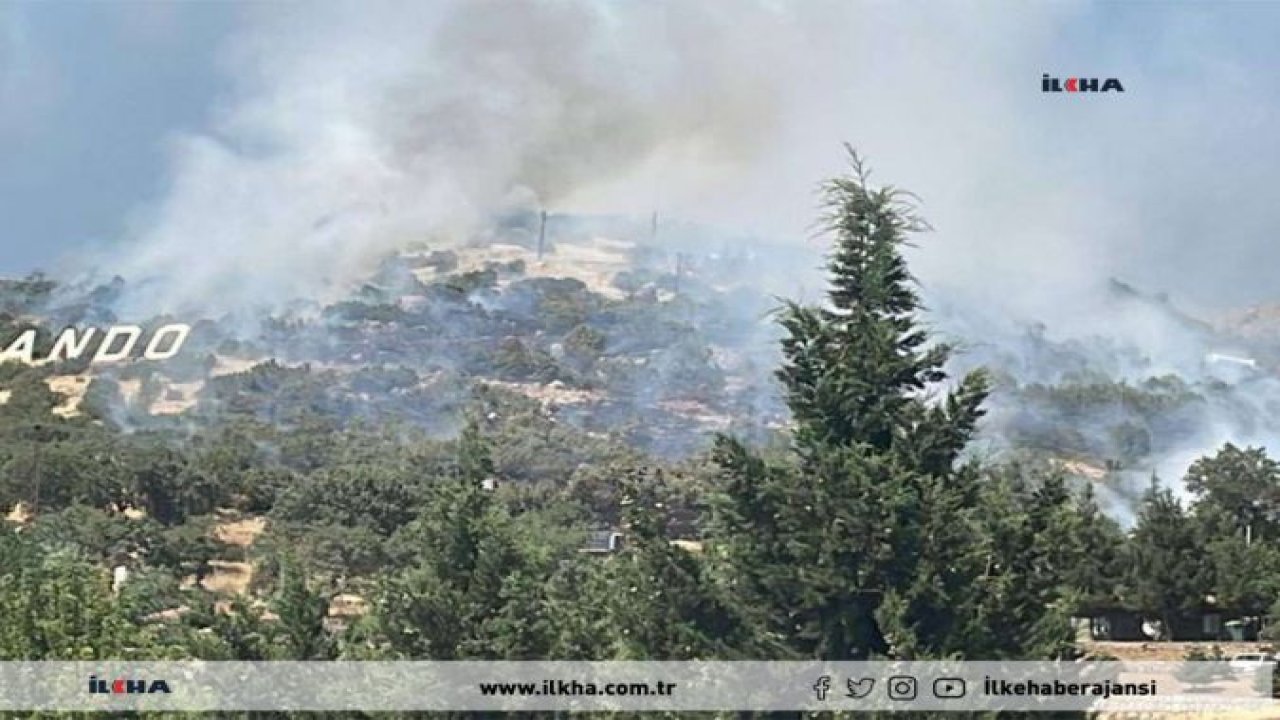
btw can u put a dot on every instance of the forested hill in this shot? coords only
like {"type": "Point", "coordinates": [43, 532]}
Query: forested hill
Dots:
{"type": "Point", "coordinates": [653, 344]}
{"type": "Point", "coordinates": [422, 471]}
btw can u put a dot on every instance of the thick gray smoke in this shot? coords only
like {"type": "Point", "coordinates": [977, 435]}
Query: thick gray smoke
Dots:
{"type": "Point", "coordinates": [357, 128]}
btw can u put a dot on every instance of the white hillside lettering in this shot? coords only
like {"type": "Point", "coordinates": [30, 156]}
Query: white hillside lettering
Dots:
{"type": "Point", "coordinates": [115, 344]}
{"type": "Point", "coordinates": [71, 343]}
{"type": "Point", "coordinates": [131, 333]}
{"type": "Point", "coordinates": [22, 348]}
{"type": "Point", "coordinates": [175, 334]}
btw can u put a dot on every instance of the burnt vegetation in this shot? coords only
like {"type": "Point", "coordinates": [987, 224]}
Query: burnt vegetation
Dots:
{"type": "Point", "coordinates": [414, 471]}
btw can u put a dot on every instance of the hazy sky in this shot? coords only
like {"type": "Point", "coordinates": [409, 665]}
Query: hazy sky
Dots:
{"type": "Point", "coordinates": [90, 92]}
{"type": "Point", "coordinates": [138, 122]}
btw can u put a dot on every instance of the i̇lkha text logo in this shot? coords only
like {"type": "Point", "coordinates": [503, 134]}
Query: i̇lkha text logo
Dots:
{"type": "Point", "coordinates": [126, 686]}
{"type": "Point", "coordinates": [1051, 84]}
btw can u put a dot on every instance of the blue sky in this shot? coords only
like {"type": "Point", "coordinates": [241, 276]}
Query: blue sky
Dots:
{"type": "Point", "coordinates": [89, 93]}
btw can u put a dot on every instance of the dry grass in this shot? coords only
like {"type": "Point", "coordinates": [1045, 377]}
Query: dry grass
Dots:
{"type": "Point", "coordinates": [595, 262]}
{"type": "Point", "coordinates": [225, 577]}
{"type": "Point", "coordinates": [228, 577]}
{"type": "Point", "coordinates": [176, 398]}
{"type": "Point", "coordinates": [553, 393]}
{"type": "Point", "coordinates": [72, 389]}
{"type": "Point", "coordinates": [129, 390]}
{"type": "Point", "coordinates": [20, 514]}
{"type": "Point", "coordinates": [1082, 469]}
{"type": "Point", "coordinates": [348, 605]}
{"type": "Point", "coordinates": [698, 412]}
{"type": "Point", "coordinates": [691, 546]}
{"type": "Point", "coordinates": [231, 577]}
{"type": "Point", "coordinates": [1171, 651]}
{"type": "Point", "coordinates": [232, 365]}
{"type": "Point", "coordinates": [167, 615]}
{"type": "Point", "coordinates": [241, 532]}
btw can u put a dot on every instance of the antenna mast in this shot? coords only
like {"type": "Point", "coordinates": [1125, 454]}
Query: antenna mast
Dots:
{"type": "Point", "coordinates": [542, 233]}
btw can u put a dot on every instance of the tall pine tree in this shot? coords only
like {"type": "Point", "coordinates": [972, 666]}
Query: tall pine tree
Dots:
{"type": "Point", "coordinates": [867, 542]}
{"type": "Point", "coordinates": [1167, 572]}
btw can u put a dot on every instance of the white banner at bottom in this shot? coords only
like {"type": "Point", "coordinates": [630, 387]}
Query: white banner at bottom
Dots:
{"type": "Point", "coordinates": [635, 686]}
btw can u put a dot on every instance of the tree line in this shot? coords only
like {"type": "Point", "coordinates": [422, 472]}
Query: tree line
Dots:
{"type": "Point", "coordinates": [874, 531]}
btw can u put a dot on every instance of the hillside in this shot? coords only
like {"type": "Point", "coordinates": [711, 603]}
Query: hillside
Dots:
{"type": "Point", "coordinates": [475, 452]}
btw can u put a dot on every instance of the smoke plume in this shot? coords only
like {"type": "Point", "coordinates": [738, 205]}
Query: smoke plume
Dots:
{"type": "Point", "coordinates": [354, 129]}
{"type": "Point", "coordinates": [358, 128]}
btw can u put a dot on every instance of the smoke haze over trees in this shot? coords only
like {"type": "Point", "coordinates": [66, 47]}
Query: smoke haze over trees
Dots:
{"type": "Point", "coordinates": [333, 139]}
{"type": "Point", "coordinates": [478, 288]}
{"type": "Point", "coordinates": [864, 529]}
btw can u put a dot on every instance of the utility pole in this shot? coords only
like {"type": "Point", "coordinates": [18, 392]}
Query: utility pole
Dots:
{"type": "Point", "coordinates": [679, 270]}
{"type": "Point", "coordinates": [36, 473]}
{"type": "Point", "coordinates": [542, 233]}
{"type": "Point", "coordinates": [653, 226]}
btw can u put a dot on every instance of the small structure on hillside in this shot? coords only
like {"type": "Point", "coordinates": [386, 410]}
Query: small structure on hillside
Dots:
{"type": "Point", "coordinates": [119, 575]}
{"type": "Point", "coordinates": [1207, 622]}
{"type": "Point", "coordinates": [603, 542]}
{"type": "Point", "coordinates": [1230, 368]}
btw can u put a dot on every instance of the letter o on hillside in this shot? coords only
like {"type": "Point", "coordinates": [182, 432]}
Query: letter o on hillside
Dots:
{"type": "Point", "coordinates": [175, 334]}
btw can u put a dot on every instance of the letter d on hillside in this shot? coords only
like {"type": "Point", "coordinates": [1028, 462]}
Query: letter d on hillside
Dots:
{"type": "Point", "coordinates": [106, 354]}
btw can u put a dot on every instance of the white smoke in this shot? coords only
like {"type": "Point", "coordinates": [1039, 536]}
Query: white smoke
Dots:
{"type": "Point", "coordinates": [354, 129]}
{"type": "Point", "coordinates": [358, 128]}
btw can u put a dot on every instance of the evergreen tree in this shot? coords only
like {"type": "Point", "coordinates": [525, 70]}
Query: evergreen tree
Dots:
{"type": "Point", "coordinates": [1022, 606]}
{"type": "Point", "coordinates": [869, 542]}
{"type": "Point", "coordinates": [1245, 576]}
{"type": "Point", "coordinates": [1097, 543]}
{"type": "Point", "coordinates": [300, 630]}
{"type": "Point", "coordinates": [1167, 575]}
{"type": "Point", "coordinates": [855, 371]}
{"type": "Point", "coordinates": [58, 607]}
{"type": "Point", "coordinates": [660, 603]}
{"type": "Point", "coordinates": [466, 567]}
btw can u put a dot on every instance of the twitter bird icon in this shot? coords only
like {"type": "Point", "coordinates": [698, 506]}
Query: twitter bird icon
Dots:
{"type": "Point", "coordinates": [860, 688]}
